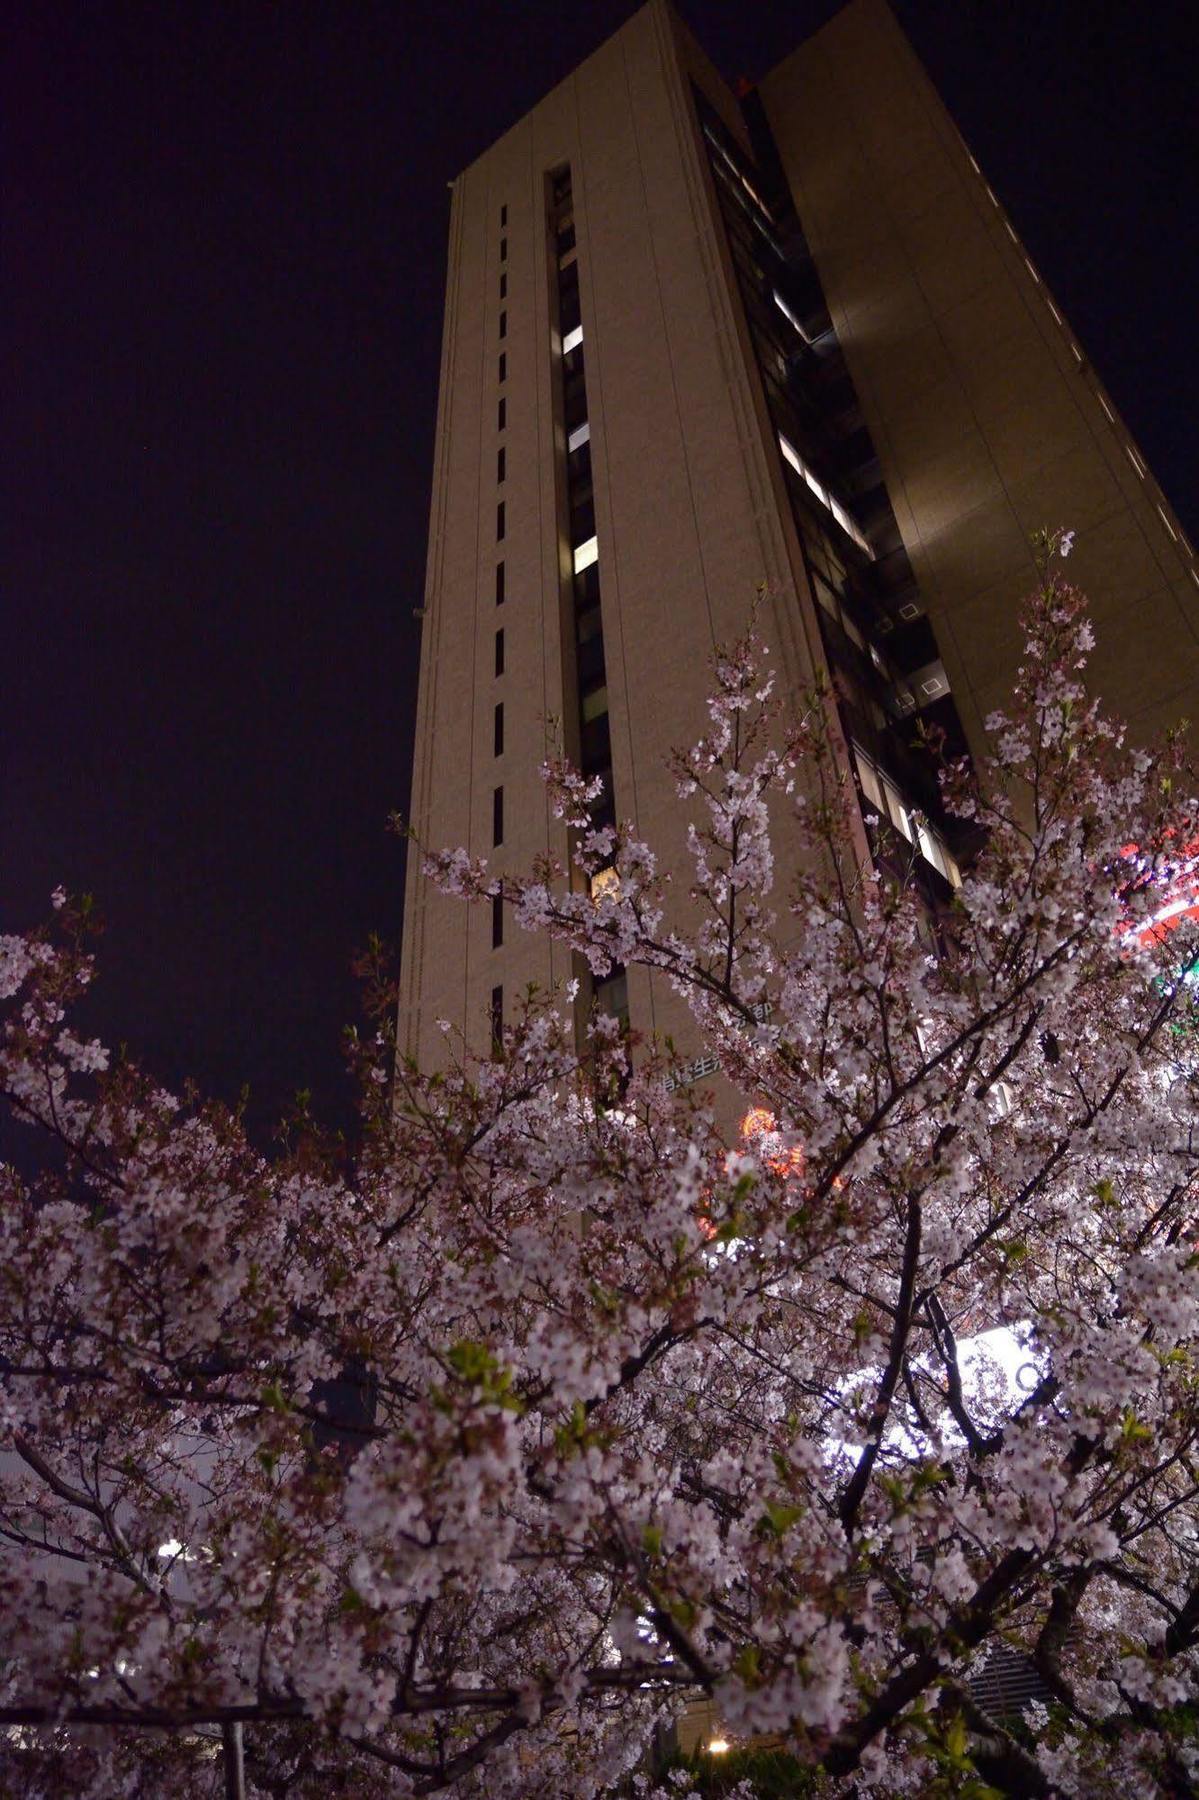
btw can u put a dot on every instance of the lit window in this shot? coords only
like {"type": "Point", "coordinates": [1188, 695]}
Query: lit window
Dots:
{"type": "Point", "coordinates": [930, 849]}
{"type": "Point", "coordinates": [869, 781]}
{"type": "Point", "coordinates": [791, 453]}
{"type": "Point", "coordinates": [605, 885]}
{"type": "Point", "coordinates": [790, 316]}
{"type": "Point", "coordinates": [897, 810]}
{"type": "Point", "coordinates": [585, 554]}
{"type": "Point", "coordinates": [572, 340]}
{"type": "Point", "coordinates": [579, 436]}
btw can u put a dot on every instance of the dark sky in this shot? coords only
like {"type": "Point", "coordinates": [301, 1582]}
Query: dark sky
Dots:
{"type": "Point", "coordinates": [224, 237]}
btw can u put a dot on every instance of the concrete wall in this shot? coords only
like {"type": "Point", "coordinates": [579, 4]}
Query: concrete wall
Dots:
{"type": "Point", "coordinates": [988, 420]}
{"type": "Point", "coordinates": [691, 513]}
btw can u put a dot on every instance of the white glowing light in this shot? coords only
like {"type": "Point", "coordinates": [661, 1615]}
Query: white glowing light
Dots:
{"type": "Point", "coordinates": [790, 316]}
{"type": "Point", "coordinates": [572, 340]}
{"type": "Point", "coordinates": [585, 554]}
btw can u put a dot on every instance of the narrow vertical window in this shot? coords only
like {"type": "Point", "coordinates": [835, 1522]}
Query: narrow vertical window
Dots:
{"type": "Point", "coordinates": [504, 214]}
{"type": "Point", "coordinates": [503, 365]}
{"type": "Point", "coordinates": [497, 816]}
{"type": "Point", "coordinates": [503, 324]}
{"type": "Point", "coordinates": [503, 249]}
{"type": "Point", "coordinates": [497, 1019]}
{"type": "Point", "coordinates": [499, 728]}
{"type": "Point", "coordinates": [497, 921]}
{"type": "Point", "coordinates": [499, 522]}
{"type": "Point", "coordinates": [501, 417]}
{"type": "Point", "coordinates": [504, 285]}
{"type": "Point", "coordinates": [499, 652]}
{"type": "Point", "coordinates": [499, 578]}
{"type": "Point", "coordinates": [500, 464]}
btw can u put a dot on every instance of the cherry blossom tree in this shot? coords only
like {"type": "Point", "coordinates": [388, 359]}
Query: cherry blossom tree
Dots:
{"type": "Point", "coordinates": [460, 1467]}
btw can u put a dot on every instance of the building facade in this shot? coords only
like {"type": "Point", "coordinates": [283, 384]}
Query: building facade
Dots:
{"type": "Point", "coordinates": [697, 345]}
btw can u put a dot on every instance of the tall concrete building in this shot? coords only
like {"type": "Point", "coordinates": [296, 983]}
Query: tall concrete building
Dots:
{"type": "Point", "coordinates": [696, 344]}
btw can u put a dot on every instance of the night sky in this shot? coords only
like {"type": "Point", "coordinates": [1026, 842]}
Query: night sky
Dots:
{"type": "Point", "coordinates": [224, 240]}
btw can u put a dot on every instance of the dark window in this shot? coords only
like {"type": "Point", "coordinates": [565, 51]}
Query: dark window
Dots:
{"type": "Point", "coordinates": [497, 921]}
{"type": "Point", "coordinates": [504, 285]}
{"type": "Point", "coordinates": [582, 519]}
{"type": "Point", "coordinates": [501, 418]}
{"type": "Point", "coordinates": [590, 657]}
{"type": "Point", "coordinates": [497, 816]}
{"type": "Point", "coordinates": [499, 522]}
{"type": "Point", "coordinates": [499, 728]}
{"type": "Point", "coordinates": [499, 578]}
{"type": "Point", "coordinates": [595, 745]}
{"type": "Point", "coordinates": [503, 324]}
{"type": "Point", "coordinates": [587, 587]}
{"type": "Point", "coordinates": [499, 464]}
{"type": "Point", "coordinates": [497, 1018]}
{"type": "Point", "coordinates": [612, 996]}
{"type": "Point", "coordinates": [499, 652]}
{"type": "Point", "coordinates": [503, 249]}
{"type": "Point", "coordinates": [504, 214]}
{"type": "Point", "coordinates": [503, 365]}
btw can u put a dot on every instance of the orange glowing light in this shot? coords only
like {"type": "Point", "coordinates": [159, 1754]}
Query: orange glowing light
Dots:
{"type": "Point", "coordinates": [758, 1128]}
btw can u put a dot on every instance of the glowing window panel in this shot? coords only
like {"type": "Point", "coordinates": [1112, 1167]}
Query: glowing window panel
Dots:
{"type": "Point", "coordinates": [585, 554]}
{"type": "Point", "coordinates": [834, 506]}
{"type": "Point", "coordinates": [791, 453]}
{"type": "Point", "coordinates": [572, 340]}
{"type": "Point", "coordinates": [1165, 521]}
{"type": "Point", "coordinates": [605, 885]}
{"type": "Point", "coordinates": [579, 436]}
{"type": "Point", "coordinates": [816, 487]}
{"type": "Point", "coordinates": [869, 781]}
{"type": "Point", "coordinates": [1135, 460]}
{"type": "Point", "coordinates": [790, 316]}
